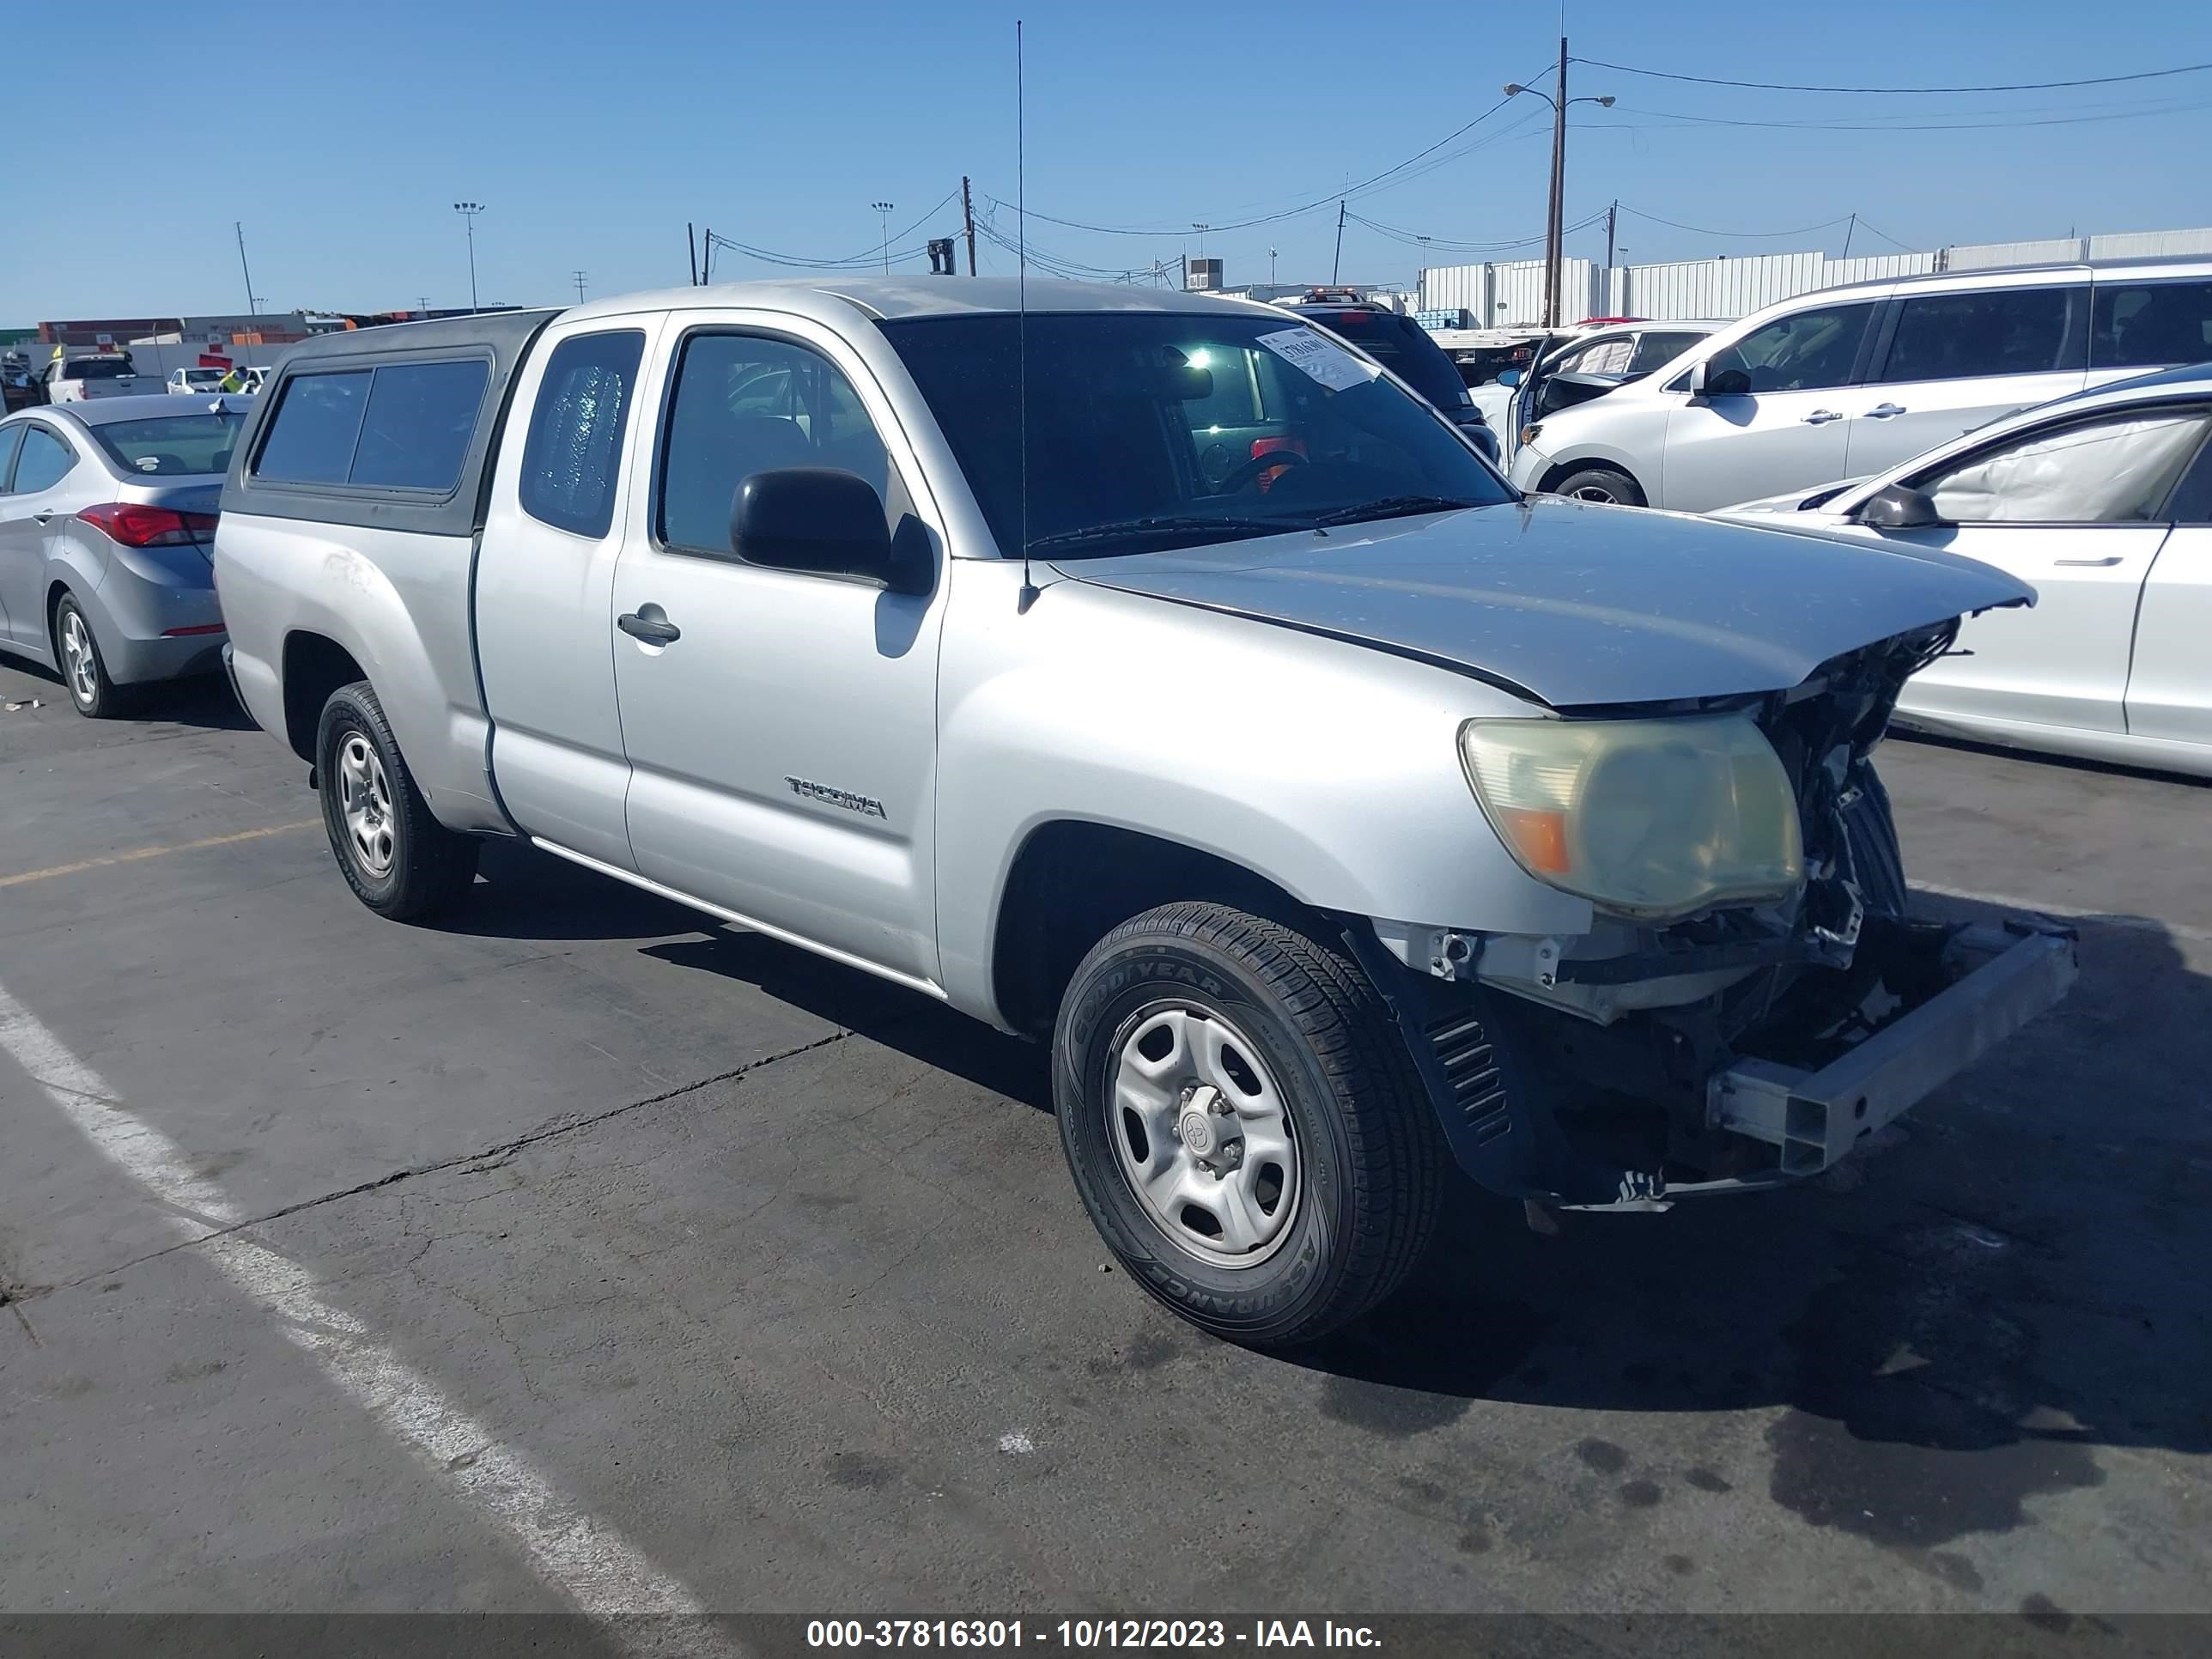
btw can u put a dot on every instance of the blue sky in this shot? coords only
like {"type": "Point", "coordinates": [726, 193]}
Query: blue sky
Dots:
{"type": "Point", "coordinates": [593, 132]}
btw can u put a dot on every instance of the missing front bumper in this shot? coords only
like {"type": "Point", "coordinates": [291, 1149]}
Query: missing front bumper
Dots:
{"type": "Point", "coordinates": [1814, 1118]}
{"type": "Point", "coordinates": [1504, 1103]}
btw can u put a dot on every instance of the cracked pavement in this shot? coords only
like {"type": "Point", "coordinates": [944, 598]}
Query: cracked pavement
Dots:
{"type": "Point", "coordinates": [765, 1262]}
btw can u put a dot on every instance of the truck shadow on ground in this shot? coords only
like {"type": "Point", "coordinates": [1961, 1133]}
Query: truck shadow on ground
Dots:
{"type": "Point", "coordinates": [2016, 1280]}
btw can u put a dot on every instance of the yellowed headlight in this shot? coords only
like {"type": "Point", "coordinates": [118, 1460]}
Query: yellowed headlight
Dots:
{"type": "Point", "coordinates": [1653, 818]}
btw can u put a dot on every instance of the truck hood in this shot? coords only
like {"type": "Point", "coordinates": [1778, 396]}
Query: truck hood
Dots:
{"type": "Point", "coordinates": [1567, 604]}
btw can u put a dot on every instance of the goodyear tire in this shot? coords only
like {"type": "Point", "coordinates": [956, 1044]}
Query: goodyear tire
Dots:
{"type": "Point", "coordinates": [399, 860]}
{"type": "Point", "coordinates": [1243, 1123]}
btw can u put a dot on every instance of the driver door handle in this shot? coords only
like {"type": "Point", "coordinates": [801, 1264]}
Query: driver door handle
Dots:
{"type": "Point", "coordinates": [1883, 411]}
{"type": "Point", "coordinates": [42, 518]}
{"type": "Point", "coordinates": [2092, 564]}
{"type": "Point", "coordinates": [1821, 417]}
{"type": "Point", "coordinates": [644, 627]}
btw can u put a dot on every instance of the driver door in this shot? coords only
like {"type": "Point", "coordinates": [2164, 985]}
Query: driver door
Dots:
{"type": "Point", "coordinates": [780, 725]}
{"type": "Point", "coordinates": [1787, 430]}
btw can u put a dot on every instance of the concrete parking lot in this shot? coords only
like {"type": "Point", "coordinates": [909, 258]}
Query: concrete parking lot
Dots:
{"type": "Point", "coordinates": [586, 1253]}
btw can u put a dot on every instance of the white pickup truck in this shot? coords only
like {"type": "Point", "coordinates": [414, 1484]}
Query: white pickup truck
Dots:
{"type": "Point", "coordinates": [77, 376]}
{"type": "Point", "coordinates": [1156, 676]}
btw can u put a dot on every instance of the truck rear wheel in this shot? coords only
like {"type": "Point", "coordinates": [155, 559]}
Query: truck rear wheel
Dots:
{"type": "Point", "coordinates": [1244, 1124]}
{"type": "Point", "coordinates": [399, 860]}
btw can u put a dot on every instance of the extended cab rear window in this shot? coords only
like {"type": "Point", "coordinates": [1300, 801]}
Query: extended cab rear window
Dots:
{"type": "Point", "coordinates": [397, 426]}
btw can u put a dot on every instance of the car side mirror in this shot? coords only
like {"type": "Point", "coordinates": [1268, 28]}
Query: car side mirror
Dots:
{"type": "Point", "coordinates": [1706, 381]}
{"type": "Point", "coordinates": [1508, 377]}
{"type": "Point", "coordinates": [826, 521]}
{"type": "Point", "coordinates": [1898, 508]}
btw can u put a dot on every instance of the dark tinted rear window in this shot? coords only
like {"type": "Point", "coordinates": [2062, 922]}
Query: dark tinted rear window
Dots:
{"type": "Point", "coordinates": [416, 430]}
{"type": "Point", "coordinates": [2151, 325]}
{"type": "Point", "coordinates": [2007, 331]}
{"type": "Point", "coordinates": [97, 368]}
{"type": "Point", "coordinates": [399, 426]}
{"type": "Point", "coordinates": [1400, 345]}
{"type": "Point", "coordinates": [312, 438]}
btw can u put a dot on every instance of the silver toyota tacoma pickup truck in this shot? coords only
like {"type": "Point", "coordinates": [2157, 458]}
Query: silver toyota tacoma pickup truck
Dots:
{"type": "Point", "coordinates": [1337, 814]}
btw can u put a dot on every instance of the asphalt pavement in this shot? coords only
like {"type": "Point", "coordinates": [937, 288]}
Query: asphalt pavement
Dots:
{"type": "Point", "coordinates": [586, 1253]}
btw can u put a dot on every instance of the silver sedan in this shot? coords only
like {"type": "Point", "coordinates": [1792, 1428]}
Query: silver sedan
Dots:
{"type": "Point", "coordinates": [2102, 502]}
{"type": "Point", "coordinates": [108, 514]}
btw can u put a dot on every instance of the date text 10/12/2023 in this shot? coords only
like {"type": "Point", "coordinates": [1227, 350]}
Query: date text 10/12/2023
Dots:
{"type": "Point", "coordinates": [1087, 1633]}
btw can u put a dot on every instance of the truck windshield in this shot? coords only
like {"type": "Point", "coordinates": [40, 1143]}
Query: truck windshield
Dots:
{"type": "Point", "coordinates": [165, 446]}
{"type": "Point", "coordinates": [98, 368]}
{"type": "Point", "coordinates": [1150, 431]}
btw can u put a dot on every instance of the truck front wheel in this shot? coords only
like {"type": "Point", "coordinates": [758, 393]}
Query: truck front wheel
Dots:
{"type": "Point", "coordinates": [1243, 1123]}
{"type": "Point", "coordinates": [399, 860]}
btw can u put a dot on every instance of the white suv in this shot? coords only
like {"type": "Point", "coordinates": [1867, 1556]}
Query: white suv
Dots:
{"type": "Point", "coordinates": [1852, 380]}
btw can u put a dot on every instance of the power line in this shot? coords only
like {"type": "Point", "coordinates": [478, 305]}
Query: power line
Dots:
{"type": "Point", "coordinates": [1373, 182]}
{"type": "Point", "coordinates": [1779, 86]}
{"type": "Point", "coordinates": [1678, 118]}
{"type": "Point", "coordinates": [1742, 235]}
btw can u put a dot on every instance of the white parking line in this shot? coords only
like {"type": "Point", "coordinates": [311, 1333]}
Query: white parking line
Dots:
{"type": "Point", "coordinates": [575, 1552]}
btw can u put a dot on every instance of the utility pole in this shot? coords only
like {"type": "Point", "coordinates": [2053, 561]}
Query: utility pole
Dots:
{"type": "Point", "coordinates": [1848, 229]}
{"type": "Point", "coordinates": [967, 213]}
{"type": "Point", "coordinates": [1553, 240]}
{"type": "Point", "coordinates": [251, 308]}
{"type": "Point", "coordinates": [1336, 267]}
{"type": "Point", "coordinates": [577, 277]}
{"type": "Point", "coordinates": [1554, 232]}
{"type": "Point", "coordinates": [691, 237]}
{"type": "Point", "coordinates": [706, 259]}
{"type": "Point", "coordinates": [1611, 214]}
{"type": "Point", "coordinates": [1271, 267]}
{"type": "Point", "coordinates": [468, 211]}
{"type": "Point", "coordinates": [883, 212]}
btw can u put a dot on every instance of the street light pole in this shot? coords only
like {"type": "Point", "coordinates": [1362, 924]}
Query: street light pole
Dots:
{"type": "Point", "coordinates": [883, 212]}
{"type": "Point", "coordinates": [1555, 218]}
{"type": "Point", "coordinates": [468, 211]}
{"type": "Point", "coordinates": [252, 306]}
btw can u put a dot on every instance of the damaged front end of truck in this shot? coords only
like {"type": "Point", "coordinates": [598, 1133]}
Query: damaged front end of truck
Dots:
{"type": "Point", "coordinates": [1749, 1031]}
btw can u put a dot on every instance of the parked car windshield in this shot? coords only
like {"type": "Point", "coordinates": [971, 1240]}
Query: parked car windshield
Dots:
{"type": "Point", "coordinates": [1151, 430]}
{"type": "Point", "coordinates": [98, 368]}
{"type": "Point", "coordinates": [165, 446]}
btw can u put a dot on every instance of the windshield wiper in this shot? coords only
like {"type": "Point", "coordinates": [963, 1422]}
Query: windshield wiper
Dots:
{"type": "Point", "coordinates": [1186, 523]}
{"type": "Point", "coordinates": [1391, 507]}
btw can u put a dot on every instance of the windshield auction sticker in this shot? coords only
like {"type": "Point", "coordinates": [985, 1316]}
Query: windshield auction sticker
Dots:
{"type": "Point", "coordinates": [1320, 357]}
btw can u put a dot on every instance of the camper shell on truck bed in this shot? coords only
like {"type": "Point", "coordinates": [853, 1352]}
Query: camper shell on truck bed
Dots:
{"type": "Point", "coordinates": [499, 339]}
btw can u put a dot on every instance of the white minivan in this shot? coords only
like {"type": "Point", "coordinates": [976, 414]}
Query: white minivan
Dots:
{"type": "Point", "coordinates": [1849, 381]}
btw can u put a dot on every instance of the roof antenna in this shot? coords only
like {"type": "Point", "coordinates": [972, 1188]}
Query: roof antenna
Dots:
{"type": "Point", "coordinates": [1022, 309]}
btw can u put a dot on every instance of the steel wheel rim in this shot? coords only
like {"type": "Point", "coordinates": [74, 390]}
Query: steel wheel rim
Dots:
{"type": "Point", "coordinates": [365, 804]}
{"type": "Point", "coordinates": [1203, 1136]}
{"type": "Point", "coordinates": [79, 666]}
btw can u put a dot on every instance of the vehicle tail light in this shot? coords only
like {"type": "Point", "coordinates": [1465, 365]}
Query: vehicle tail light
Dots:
{"type": "Point", "coordinates": [135, 525]}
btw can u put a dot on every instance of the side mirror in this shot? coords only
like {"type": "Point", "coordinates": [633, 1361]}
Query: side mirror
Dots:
{"type": "Point", "coordinates": [826, 521]}
{"type": "Point", "coordinates": [1898, 508]}
{"type": "Point", "coordinates": [1508, 377]}
{"type": "Point", "coordinates": [1706, 381]}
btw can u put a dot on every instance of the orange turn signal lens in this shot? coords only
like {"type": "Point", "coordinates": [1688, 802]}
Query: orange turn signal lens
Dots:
{"type": "Point", "coordinates": [1539, 838]}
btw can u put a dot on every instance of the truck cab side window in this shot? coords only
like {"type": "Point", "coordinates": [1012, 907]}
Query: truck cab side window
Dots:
{"type": "Point", "coordinates": [574, 453]}
{"type": "Point", "coordinates": [744, 404]}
